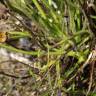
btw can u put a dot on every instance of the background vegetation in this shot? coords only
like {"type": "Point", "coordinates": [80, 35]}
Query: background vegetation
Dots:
{"type": "Point", "coordinates": [62, 44]}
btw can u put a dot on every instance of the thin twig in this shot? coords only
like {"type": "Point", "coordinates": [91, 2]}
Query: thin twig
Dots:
{"type": "Point", "coordinates": [14, 76]}
{"type": "Point", "coordinates": [91, 78]}
{"type": "Point", "coordinates": [82, 67]}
